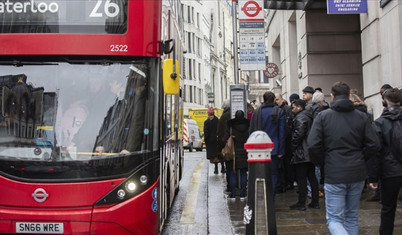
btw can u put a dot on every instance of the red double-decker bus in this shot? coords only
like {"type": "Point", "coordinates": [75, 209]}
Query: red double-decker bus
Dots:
{"type": "Point", "coordinates": [89, 130]}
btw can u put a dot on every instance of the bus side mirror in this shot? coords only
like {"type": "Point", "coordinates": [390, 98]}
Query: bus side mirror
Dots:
{"type": "Point", "coordinates": [171, 77]}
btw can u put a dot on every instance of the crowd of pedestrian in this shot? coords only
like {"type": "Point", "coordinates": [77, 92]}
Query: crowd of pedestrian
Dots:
{"type": "Point", "coordinates": [338, 148]}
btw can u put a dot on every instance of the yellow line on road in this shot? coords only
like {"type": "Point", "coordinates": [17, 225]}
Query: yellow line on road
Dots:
{"type": "Point", "coordinates": [192, 194]}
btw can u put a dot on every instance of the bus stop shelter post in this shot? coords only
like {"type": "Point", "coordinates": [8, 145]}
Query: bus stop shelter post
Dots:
{"type": "Point", "coordinates": [259, 213]}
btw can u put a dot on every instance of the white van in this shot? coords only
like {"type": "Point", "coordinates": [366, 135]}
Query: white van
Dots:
{"type": "Point", "coordinates": [191, 135]}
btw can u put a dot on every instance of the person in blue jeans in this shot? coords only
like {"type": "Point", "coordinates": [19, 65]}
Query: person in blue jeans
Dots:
{"type": "Point", "coordinates": [238, 127]}
{"type": "Point", "coordinates": [342, 138]}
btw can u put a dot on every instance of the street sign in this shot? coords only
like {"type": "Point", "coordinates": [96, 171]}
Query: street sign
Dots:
{"type": "Point", "coordinates": [271, 70]}
{"type": "Point", "coordinates": [251, 35]}
{"type": "Point", "coordinates": [346, 6]}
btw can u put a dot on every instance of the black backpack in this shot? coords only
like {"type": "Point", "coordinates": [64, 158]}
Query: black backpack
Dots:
{"type": "Point", "coordinates": [396, 141]}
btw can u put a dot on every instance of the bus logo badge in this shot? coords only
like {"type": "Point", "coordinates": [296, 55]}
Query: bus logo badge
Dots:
{"type": "Point", "coordinates": [155, 193]}
{"type": "Point", "coordinates": [40, 195]}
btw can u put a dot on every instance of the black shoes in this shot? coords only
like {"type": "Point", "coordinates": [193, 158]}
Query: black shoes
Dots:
{"type": "Point", "coordinates": [216, 170]}
{"type": "Point", "coordinates": [290, 187]}
{"type": "Point", "coordinates": [373, 199]}
{"type": "Point", "coordinates": [298, 207]}
{"type": "Point", "coordinates": [223, 170]}
{"type": "Point", "coordinates": [314, 205]}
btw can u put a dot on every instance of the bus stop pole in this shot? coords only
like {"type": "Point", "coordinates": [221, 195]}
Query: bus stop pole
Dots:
{"type": "Point", "coordinates": [235, 52]}
{"type": "Point", "coordinates": [259, 213]}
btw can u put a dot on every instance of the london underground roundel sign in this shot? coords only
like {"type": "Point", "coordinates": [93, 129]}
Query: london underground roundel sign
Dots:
{"type": "Point", "coordinates": [251, 8]}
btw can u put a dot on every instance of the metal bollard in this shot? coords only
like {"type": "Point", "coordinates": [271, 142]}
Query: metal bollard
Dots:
{"type": "Point", "coordinates": [259, 213]}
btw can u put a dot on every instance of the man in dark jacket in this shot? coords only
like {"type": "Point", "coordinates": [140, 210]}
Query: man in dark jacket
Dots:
{"type": "Point", "coordinates": [385, 166]}
{"type": "Point", "coordinates": [305, 169]}
{"type": "Point", "coordinates": [271, 119]}
{"type": "Point", "coordinates": [342, 138]}
{"type": "Point", "coordinates": [286, 173]}
{"type": "Point", "coordinates": [211, 138]}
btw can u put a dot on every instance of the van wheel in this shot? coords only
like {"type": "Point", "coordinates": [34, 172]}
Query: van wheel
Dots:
{"type": "Point", "coordinates": [191, 148]}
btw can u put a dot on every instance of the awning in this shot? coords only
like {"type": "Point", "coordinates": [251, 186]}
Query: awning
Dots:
{"type": "Point", "coordinates": [295, 4]}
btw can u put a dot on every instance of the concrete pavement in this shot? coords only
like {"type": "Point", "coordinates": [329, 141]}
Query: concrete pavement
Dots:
{"type": "Point", "coordinates": [201, 207]}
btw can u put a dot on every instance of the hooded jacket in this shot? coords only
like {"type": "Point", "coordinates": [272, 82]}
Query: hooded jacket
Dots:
{"type": "Point", "coordinates": [301, 127]}
{"type": "Point", "coordinates": [342, 138]}
{"type": "Point", "coordinates": [384, 165]}
{"type": "Point", "coordinates": [240, 133]}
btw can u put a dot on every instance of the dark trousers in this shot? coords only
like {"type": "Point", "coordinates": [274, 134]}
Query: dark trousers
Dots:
{"type": "Point", "coordinates": [389, 198]}
{"type": "Point", "coordinates": [275, 165]}
{"type": "Point", "coordinates": [234, 181]}
{"type": "Point", "coordinates": [306, 171]}
{"type": "Point", "coordinates": [289, 170]}
{"type": "Point", "coordinates": [229, 167]}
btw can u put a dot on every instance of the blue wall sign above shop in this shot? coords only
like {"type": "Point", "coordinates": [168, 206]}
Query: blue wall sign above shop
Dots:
{"type": "Point", "coordinates": [346, 6]}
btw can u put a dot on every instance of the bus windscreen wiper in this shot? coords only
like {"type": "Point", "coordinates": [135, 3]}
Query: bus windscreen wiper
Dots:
{"type": "Point", "coordinates": [18, 63]}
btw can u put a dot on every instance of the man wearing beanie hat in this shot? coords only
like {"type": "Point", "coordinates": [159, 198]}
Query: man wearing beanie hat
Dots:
{"type": "Point", "coordinates": [293, 97]}
{"type": "Point", "coordinates": [308, 92]}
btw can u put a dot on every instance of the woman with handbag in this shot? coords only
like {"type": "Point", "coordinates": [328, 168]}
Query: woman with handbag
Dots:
{"type": "Point", "coordinates": [238, 128]}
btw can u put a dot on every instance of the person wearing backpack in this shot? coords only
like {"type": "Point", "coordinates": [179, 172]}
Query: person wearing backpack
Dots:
{"type": "Point", "coordinates": [387, 165]}
{"type": "Point", "coordinates": [271, 119]}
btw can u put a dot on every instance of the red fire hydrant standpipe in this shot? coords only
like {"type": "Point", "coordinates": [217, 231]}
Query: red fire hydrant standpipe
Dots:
{"type": "Point", "coordinates": [259, 213]}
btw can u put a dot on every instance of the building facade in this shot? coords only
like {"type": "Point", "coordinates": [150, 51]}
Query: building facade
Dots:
{"type": "Point", "coordinates": [317, 49]}
{"type": "Point", "coordinates": [208, 70]}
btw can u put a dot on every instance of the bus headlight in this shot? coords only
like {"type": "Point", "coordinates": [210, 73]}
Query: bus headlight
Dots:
{"type": "Point", "coordinates": [121, 193]}
{"type": "Point", "coordinates": [134, 184]}
{"type": "Point", "coordinates": [130, 186]}
{"type": "Point", "coordinates": [144, 179]}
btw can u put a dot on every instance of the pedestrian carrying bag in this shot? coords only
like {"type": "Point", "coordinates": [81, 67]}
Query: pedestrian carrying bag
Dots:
{"type": "Point", "coordinates": [228, 151]}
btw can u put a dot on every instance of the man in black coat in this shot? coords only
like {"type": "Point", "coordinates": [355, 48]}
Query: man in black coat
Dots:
{"type": "Point", "coordinates": [211, 138]}
{"type": "Point", "coordinates": [385, 165]}
{"type": "Point", "coordinates": [286, 176]}
{"type": "Point", "coordinates": [342, 138]}
{"type": "Point", "coordinates": [305, 169]}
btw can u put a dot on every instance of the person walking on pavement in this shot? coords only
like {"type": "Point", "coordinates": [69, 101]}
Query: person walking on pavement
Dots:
{"type": "Point", "coordinates": [387, 165]}
{"type": "Point", "coordinates": [238, 127]}
{"type": "Point", "coordinates": [225, 117]}
{"type": "Point", "coordinates": [305, 169]}
{"type": "Point", "coordinates": [211, 139]}
{"type": "Point", "coordinates": [342, 138]}
{"type": "Point", "coordinates": [271, 119]}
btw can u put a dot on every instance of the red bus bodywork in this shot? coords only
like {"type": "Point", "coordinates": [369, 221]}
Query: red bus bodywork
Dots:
{"type": "Point", "coordinates": [142, 37]}
{"type": "Point", "coordinates": [80, 214]}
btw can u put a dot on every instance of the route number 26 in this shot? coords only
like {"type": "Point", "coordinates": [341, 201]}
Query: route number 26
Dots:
{"type": "Point", "coordinates": [110, 9]}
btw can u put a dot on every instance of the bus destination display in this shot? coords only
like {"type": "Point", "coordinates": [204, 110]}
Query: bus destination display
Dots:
{"type": "Point", "coordinates": [63, 16]}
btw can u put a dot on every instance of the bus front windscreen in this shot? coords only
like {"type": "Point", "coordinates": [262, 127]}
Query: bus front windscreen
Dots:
{"type": "Point", "coordinates": [64, 122]}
